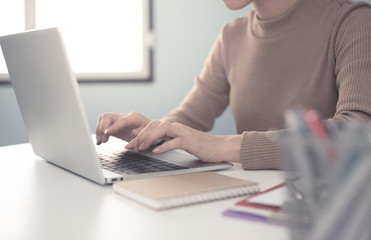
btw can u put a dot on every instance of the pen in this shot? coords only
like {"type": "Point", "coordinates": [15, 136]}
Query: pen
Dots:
{"type": "Point", "coordinates": [316, 124]}
{"type": "Point", "coordinates": [319, 130]}
{"type": "Point", "coordinates": [293, 190]}
{"type": "Point", "coordinates": [280, 218]}
{"type": "Point", "coordinates": [303, 154]}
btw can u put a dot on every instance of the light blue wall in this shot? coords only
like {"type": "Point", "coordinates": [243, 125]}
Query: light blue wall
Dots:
{"type": "Point", "coordinates": [184, 34]}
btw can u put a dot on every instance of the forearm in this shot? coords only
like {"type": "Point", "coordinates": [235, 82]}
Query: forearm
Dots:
{"type": "Point", "coordinates": [265, 150]}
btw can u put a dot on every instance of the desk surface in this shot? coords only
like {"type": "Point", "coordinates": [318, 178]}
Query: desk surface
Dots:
{"type": "Point", "coordinates": [43, 201]}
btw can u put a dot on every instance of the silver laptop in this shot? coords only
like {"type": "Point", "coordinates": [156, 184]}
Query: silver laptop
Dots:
{"type": "Point", "coordinates": [49, 99]}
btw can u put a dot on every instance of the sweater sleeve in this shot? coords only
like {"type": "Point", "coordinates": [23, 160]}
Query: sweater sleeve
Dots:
{"type": "Point", "coordinates": [351, 51]}
{"type": "Point", "coordinates": [209, 97]}
{"type": "Point", "coordinates": [260, 150]}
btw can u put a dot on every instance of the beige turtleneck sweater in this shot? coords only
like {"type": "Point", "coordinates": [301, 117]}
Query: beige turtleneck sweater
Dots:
{"type": "Point", "coordinates": [318, 54]}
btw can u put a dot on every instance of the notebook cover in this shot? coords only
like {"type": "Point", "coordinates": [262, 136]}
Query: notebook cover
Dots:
{"type": "Point", "coordinates": [183, 189]}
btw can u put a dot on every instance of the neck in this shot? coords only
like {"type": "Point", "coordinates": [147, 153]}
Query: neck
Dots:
{"type": "Point", "coordinates": [269, 9]}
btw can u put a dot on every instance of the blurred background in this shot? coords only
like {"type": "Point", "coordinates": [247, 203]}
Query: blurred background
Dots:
{"type": "Point", "coordinates": [184, 32]}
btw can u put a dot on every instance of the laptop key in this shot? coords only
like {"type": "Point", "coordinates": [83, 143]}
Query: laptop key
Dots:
{"type": "Point", "coordinates": [133, 163]}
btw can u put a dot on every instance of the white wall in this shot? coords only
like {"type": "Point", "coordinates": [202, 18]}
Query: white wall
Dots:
{"type": "Point", "coordinates": [184, 34]}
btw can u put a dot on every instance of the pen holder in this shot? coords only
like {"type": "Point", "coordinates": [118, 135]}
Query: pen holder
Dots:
{"type": "Point", "coordinates": [329, 179]}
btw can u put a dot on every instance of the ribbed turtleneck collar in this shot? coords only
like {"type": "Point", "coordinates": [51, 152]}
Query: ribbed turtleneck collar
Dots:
{"type": "Point", "coordinates": [289, 21]}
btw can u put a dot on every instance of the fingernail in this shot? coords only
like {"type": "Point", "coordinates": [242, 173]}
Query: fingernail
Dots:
{"type": "Point", "coordinates": [129, 145]}
{"type": "Point", "coordinates": [156, 150]}
{"type": "Point", "coordinates": [107, 130]}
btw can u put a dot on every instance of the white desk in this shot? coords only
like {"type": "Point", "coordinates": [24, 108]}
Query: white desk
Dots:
{"type": "Point", "coordinates": [43, 201]}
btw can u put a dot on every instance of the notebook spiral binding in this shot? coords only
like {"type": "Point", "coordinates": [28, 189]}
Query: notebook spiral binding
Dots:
{"type": "Point", "coordinates": [209, 196]}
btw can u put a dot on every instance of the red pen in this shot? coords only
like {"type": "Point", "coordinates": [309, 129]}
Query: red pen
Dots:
{"type": "Point", "coordinates": [316, 124]}
{"type": "Point", "coordinates": [319, 130]}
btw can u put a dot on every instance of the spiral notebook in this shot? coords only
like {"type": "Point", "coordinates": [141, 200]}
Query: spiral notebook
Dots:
{"type": "Point", "coordinates": [184, 189]}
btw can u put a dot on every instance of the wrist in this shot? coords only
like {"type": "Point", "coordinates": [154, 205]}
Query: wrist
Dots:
{"type": "Point", "coordinates": [232, 148]}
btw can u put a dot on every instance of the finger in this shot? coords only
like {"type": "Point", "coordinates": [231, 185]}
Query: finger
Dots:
{"type": "Point", "coordinates": [155, 132]}
{"type": "Point", "coordinates": [131, 144]}
{"type": "Point", "coordinates": [102, 123]}
{"type": "Point", "coordinates": [135, 132]}
{"type": "Point", "coordinates": [107, 121]}
{"type": "Point", "coordinates": [130, 120]}
{"type": "Point", "coordinates": [98, 131]}
{"type": "Point", "coordinates": [121, 123]}
{"type": "Point", "coordinates": [148, 135]}
{"type": "Point", "coordinates": [176, 143]}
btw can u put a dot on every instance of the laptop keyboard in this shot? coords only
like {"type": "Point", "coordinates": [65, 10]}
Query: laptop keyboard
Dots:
{"type": "Point", "coordinates": [133, 163]}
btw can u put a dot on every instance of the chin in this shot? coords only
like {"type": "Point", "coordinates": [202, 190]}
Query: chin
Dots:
{"type": "Point", "coordinates": [236, 4]}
